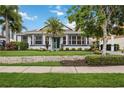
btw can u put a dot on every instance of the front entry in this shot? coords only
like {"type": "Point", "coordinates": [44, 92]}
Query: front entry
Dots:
{"type": "Point", "coordinates": [56, 43]}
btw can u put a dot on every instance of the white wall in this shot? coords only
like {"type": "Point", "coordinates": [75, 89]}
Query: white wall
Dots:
{"type": "Point", "coordinates": [19, 38]}
{"type": "Point", "coordinates": [119, 41]}
{"type": "Point", "coordinates": [37, 47]}
{"type": "Point", "coordinates": [76, 47]}
{"type": "Point", "coordinates": [2, 38]}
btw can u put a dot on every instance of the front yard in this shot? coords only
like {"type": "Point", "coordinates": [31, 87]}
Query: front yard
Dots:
{"type": "Point", "coordinates": [61, 80]}
{"type": "Point", "coordinates": [45, 53]}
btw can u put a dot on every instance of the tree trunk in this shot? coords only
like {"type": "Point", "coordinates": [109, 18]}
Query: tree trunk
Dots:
{"type": "Point", "coordinates": [7, 29]}
{"type": "Point", "coordinates": [104, 27]}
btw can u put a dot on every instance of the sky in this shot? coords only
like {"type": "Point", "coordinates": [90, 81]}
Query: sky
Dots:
{"type": "Point", "coordinates": [34, 16]}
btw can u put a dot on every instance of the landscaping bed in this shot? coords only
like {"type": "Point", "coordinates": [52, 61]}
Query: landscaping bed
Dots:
{"type": "Point", "coordinates": [73, 62]}
{"type": "Point", "coordinates": [61, 80]}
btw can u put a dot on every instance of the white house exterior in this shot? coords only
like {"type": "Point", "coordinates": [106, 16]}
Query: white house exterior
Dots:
{"type": "Point", "coordinates": [36, 39]}
{"type": "Point", "coordinates": [70, 39]}
{"type": "Point", "coordinates": [115, 40]}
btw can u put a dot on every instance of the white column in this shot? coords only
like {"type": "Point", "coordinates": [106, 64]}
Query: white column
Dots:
{"type": "Point", "coordinates": [50, 43]}
{"type": "Point", "coordinates": [19, 38]}
{"type": "Point", "coordinates": [11, 35]}
{"type": "Point", "coordinates": [33, 42]}
{"type": "Point", "coordinates": [112, 43]}
{"type": "Point", "coordinates": [15, 36]}
{"type": "Point", "coordinates": [29, 40]}
{"type": "Point", "coordinates": [61, 42]}
{"type": "Point", "coordinates": [67, 39]}
{"type": "Point", "coordinates": [43, 39]}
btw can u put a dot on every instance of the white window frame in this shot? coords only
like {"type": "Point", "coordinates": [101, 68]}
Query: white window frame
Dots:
{"type": "Point", "coordinates": [41, 40]}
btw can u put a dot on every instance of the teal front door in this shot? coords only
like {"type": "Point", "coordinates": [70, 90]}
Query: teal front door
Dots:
{"type": "Point", "coordinates": [56, 43]}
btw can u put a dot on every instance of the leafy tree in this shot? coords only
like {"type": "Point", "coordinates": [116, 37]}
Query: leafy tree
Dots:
{"type": "Point", "coordinates": [98, 21]}
{"type": "Point", "coordinates": [10, 19]}
{"type": "Point", "coordinates": [54, 27]}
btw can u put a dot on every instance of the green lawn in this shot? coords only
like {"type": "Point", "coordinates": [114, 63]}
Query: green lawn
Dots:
{"type": "Point", "coordinates": [45, 53]}
{"type": "Point", "coordinates": [61, 80]}
{"type": "Point", "coordinates": [33, 64]}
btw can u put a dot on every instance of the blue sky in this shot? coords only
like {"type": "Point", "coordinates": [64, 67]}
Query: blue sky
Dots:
{"type": "Point", "coordinates": [34, 16]}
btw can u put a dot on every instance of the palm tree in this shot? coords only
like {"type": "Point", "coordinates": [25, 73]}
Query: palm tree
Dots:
{"type": "Point", "coordinates": [10, 19]}
{"type": "Point", "coordinates": [54, 28]}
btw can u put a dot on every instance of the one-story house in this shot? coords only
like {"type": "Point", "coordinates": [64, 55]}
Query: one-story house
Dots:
{"type": "Point", "coordinates": [37, 39]}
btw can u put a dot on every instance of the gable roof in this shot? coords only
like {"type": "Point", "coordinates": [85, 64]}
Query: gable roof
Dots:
{"type": "Point", "coordinates": [44, 29]}
{"type": "Point", "coordinates": [66, 28]}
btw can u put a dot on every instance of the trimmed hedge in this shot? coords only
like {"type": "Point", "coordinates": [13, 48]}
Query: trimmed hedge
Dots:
{"type": "Point", "coordinates": [105, 60]}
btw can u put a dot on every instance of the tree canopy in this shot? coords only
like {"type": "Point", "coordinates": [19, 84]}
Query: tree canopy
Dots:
{"type": "Point", "coordinates": [98, 21]}
{"type": "Point", "coordinates": [10, 19]}
{"type": "Point", "coordinates": [54, 26]}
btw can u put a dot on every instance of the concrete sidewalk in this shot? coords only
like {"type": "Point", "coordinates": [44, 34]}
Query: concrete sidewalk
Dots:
{"type": "Point", "coordinates": [62, 69]}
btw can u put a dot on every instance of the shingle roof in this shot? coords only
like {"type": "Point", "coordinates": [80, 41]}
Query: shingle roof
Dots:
{"type": "Point", "coordinates": [44, 29]}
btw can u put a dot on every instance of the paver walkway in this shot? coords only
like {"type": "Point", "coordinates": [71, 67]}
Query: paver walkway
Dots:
{"type": "Point", "coordinates": [62, 69]}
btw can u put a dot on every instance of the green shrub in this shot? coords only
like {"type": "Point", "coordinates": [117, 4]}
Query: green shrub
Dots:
{"type": "Point", "coordinates": [1, 47]}
{"type": "Point", "coordinates": [79, 49]}
{"type": "Point", "coordinates": [61, 49]}
{"type": "Point", "coordinates": [122, 50]}
{"type": "Point", "coordinates": [86, 49]}
{"type": "Point", "coordinates": [44, 49]}
{"type": "Point", "coordinates": [97, 52]}
{"type": "Point", "coordinates": [67, 49]}
{"type": "Point", "coordinates": [73, 49]}
{"type": "Point", "coordinates": [105, 60]}
{"type": "Point", "coordinates": [22, 45]}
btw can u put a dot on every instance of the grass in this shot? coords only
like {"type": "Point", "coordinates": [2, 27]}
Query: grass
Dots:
{"type": "Point", "coordinates": [33, 64]}
{"type": "Point", "coordinates": [61, 80]}
{"type": "Point", "coordinates": [45, 53]}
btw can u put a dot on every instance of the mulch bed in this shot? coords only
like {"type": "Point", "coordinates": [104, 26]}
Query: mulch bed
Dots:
{"type": "Point", "coordinates": [73, 62]}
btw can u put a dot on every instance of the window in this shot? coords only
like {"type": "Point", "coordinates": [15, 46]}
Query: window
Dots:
{"type": "Point", "coordinates": [24, 38]}
{"type": "Point", "coordinates": [79, 40]}
{"type": "Point", "coordinates": [64, 40]}
{"type": "Point", "coordinates": [74, 40]}
{"type": "Point", "coordinates": [38, 39]}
